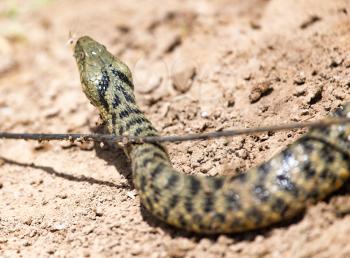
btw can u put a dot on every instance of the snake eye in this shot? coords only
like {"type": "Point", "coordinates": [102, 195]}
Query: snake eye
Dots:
{"type": "Point", "coordinates": [82, 55]}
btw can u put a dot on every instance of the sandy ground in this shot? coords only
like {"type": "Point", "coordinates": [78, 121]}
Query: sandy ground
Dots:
{"type": "Point", "coordinates": [198, 66]}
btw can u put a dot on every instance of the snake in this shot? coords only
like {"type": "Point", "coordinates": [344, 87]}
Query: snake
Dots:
{"type": "Point", "coordinates": [305, 172]}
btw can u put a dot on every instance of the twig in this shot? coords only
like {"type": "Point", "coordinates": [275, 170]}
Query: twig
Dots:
{"type": "Point", "coordinates": [61, 136]}
{"type": "Point", "coordinates": [173, 138]}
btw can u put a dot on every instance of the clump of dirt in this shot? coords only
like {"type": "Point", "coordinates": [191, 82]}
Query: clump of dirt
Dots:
{"type": "Point", "coordinates": [198, 66]}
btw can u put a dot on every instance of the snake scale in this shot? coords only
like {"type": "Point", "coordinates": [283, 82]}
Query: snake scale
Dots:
{"type": "Point", "coordinates": [305, 172]}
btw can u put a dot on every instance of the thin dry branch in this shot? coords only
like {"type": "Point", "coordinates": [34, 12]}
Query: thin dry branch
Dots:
{"type": "Point", "coordinates": [172, 138]}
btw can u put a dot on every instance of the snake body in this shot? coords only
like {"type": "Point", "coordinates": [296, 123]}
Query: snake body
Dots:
{"type": "Point", "coordinates": [305, 172]}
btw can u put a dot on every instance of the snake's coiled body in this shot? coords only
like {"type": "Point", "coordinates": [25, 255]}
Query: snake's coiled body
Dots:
{"type": "Point", "coordinates": [306, 171]}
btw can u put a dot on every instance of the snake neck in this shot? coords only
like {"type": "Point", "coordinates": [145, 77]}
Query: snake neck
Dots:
{"type": "Point", "coordinates": [124, 118]}
{"type": "Point", "coordinates": [119, 109]}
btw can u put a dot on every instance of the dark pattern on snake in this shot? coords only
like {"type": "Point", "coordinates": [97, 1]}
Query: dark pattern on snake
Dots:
{"type": "Point", "coordinates": [306, 171]}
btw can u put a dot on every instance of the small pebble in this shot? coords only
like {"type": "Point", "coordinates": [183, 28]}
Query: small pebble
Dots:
{"type": "Point", "coordinates": [50, 251]}
{"type": "Point", "coordinates": [315, 94]}
{"type": "Point", "coordinates": [300, 79]}
{"type": "Point", "coordinates": [259, 90]}
{"type": "Point", "coordinates": [28, 221]}
{"type": "Point", "coordinates": [336, 61]}
{"type": "Point", "coordinates": [242, 153]}
{"type": "Point", "coordinates": [179, 248]}
{"type": "Point", "coordinates": [3, 240]}
{"type": "Point", "coordinates": [86, 253]}
{"type": "Point", "coordinates": [136, 250]}
{"type": "Point", "coordinates": [247, 76]}
{"type": "Point", "coordinates": [304, 112]}
{"type": "Point", "coordinates": [230, 99]}
{"type": "Point", "coordinates": [299, 92]}
{"type": "Point", "coordinates": [62, 196]}
{"type": "Point", "coordinates": [26, 243]}
{"type": "Point", "coordinates": [57, 227]}
{"type": "Point", "coordinates": [32, 233]}
{"type": "Point", "coordinates": [99, 212]}
{"type": "Point", "coordinates": [183, 79]}
{"type": "Point", "coordinates": [131, 195]}
{"type": "Point", "coordinates": [89, 230]}
{"type": "Point", "coordinates": [60, 226]}
{"type": "Point", "coordinates": [204, 114]}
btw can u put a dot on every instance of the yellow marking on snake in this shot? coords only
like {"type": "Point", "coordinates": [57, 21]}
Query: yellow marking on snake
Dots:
{"type": "Point", "coordinates": [306, 171]}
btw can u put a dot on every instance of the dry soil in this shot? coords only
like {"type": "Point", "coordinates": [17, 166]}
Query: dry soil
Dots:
{"type": "Point", "coordinates": [198, 66]}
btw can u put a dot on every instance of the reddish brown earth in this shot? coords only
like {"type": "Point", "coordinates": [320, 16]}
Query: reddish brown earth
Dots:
{"type": "Point", "coordinates": [198, 66]}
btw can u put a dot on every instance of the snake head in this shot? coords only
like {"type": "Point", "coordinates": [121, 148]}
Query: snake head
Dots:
{"type": "Point", "coordinates": [99, 72]}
